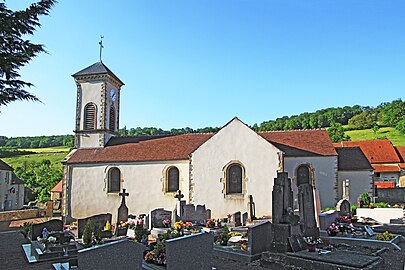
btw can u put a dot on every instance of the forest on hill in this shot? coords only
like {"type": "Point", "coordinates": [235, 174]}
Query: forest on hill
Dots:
{"type": "Point", "coordinates": [337, 120]}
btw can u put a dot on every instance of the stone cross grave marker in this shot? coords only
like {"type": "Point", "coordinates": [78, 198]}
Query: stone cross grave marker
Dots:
{"type": "Point", "coordinates": [252, 208]}
{"type": "Point", "coordinates": [123, 209]}
{"type": "Point", "coordinates": [179, 206]}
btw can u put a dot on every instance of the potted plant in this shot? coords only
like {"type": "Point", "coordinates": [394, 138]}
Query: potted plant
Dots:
{"type": "Point", "coordinates": [312, 242]}
{"type": "Point", "coordinates": [224, 236]}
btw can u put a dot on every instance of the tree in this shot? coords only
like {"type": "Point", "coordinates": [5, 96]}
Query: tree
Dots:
{"type": "Point", "coordinates": [401, 125]}
{"type": "Point", "coordinates": [337, 133]}
{"type": "Point", "coordinates": [362, 121]}
{"type": "Point", "coordinates": [16, 50]}
{"type": "Point", "coordinates": [393, 112]}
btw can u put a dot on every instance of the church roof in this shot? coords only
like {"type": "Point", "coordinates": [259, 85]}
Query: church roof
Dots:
{"type": "Point", "coordinates": [352, 159]}
{"type": "Point", "coordinates": [179, 147]}
{"type": "Point", "coordinates": [96, 69]}
{"type": "Point", "coordinates": [168, 148]}
{"type": "Point", "coordinates": [376, 151]}
{"type": "Point", "coordinates": [4, 166]}
{"type": "Point", "coordinates": [310, 142]}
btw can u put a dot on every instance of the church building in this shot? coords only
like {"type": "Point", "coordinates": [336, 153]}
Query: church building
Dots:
{"type": "Point", "coordinates": [219, 170]}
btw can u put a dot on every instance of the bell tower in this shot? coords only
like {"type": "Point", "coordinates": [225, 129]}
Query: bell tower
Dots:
{"type": "Point", "coordinates": [97, 106]}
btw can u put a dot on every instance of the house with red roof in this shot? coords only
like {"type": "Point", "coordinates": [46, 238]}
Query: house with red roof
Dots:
{"type": "Point", "coordinates": [385, 159]}
{"type": "Point", "coordinates": [219, 170]}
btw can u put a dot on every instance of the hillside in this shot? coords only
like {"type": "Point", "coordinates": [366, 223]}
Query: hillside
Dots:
{"type": "Point", "coordinates": [54, 154]}
{"type": "Point", "coordinates": [389, 133]}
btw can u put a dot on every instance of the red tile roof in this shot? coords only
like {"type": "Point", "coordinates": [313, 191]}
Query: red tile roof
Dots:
{"type": "Point", "coordinates": [314, 140]}
{"type": "Point", "coordinates": [168, 148]}
{"type": "Point", "coordinates": [180, 146]}
{"type": "Point", "coordinates": [376, 151]}
{"type": "Point", "coordinates": [385, 168]}
{"type": "Point", "coordinates": [58, 187]}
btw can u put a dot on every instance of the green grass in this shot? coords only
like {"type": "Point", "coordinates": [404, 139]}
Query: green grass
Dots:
{"type": "Point", "coordinates": [389, 133]}
{"type": "Point", "coordinates": [54, 154]}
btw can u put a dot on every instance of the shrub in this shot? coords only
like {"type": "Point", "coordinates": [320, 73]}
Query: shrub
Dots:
{"type": "Point", "coordinates": [88, 232]}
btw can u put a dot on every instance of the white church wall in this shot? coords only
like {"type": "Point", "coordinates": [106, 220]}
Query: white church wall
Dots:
{"type": "Point", "coordinates": [235, 142]}
{"type": "Point", "coordinates": [359, 182]}
{"type": "Point", "coordinates": [325, 176]}
{"type": "Point", "coordinates": [143, 181]}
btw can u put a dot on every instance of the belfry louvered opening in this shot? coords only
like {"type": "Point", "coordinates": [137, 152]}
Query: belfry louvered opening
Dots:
{"type": "Point", "coordinates": [90, 116]}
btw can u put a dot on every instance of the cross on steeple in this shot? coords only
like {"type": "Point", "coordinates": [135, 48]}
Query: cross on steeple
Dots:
{"type": "Point", "coordinates": [101, 46]}
{"type": "Point", "coordinates": [178, 195]}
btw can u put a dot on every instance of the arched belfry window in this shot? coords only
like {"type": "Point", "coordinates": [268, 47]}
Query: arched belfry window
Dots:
{"type": "Point", "coordinates": [173, 177]}
{"type": "Point", "coordinates": [234, 176]}
{"type": "Point", "coordinates": [114, 180]}
{"type": "Point", "coordinates": [303, 176]}
{"type": "Point", "coordinates": [90, 116]}
{"type": "Point", "coordinates": [112, 118]}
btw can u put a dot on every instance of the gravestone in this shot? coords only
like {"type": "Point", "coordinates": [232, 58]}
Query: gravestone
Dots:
{"type": "Point", "coordinates": [123, 209]}
{"type": "Point", "coordinates": [285, 223]}
{"type": "Point", "coordinates": [196, 214]}
{"type": "Point", "coordinates": [236, 217]}
{"type": "Point", "coordinates": [55, 225]}
{"type": "Point", "coordinates": [327, 218]}
{"type": "Point", "coordinates": [260, 238]}
{"type": "Point", "coordinates": [252, 208]}
{"type": "Point", "coordinates": [343, 206]}
{"type": "Point", "coordinates": [244, 218]}
{"type": "Point", "coordinates": [190, 252]}
{"type": "Point", "coordinates": [179, 206]}
{"type": "Point", "coordinates": [157, 216]}
{"type": "Point", "coordinates": [306, 202]}
{"type": "Point", "coordinates": [122, 254]}
{"type": "Point", "coordinates": [99, 221]}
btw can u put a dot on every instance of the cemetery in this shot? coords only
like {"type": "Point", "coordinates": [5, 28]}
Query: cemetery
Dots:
{"type": "Point", "coordinates": [189, 237]}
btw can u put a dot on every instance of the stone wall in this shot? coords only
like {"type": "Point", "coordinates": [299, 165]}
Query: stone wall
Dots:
{"type": "Point", "coordinates": [20, 214]}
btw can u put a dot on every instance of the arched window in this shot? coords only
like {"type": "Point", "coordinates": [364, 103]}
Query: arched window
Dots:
{"type": "Point", "coordinates": [172, 179]}
{"type": "Point", "coordinates": [90, 116]}
{"type": "Point", "coordinates": [112, 118]}
{"type": "Point", "coordinates": [114, 180]}
{"type": "Point", "coordinates": [303, 176]}
{"type": "Point", "coordinates": [234, 174]}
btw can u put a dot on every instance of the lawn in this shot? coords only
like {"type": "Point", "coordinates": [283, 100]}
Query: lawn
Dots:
{"type": "Point", "coordinates": [389, 133]}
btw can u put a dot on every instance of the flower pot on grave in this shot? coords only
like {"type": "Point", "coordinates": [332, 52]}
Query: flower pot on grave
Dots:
{"type": "Point", "coordinates": [311, 247]}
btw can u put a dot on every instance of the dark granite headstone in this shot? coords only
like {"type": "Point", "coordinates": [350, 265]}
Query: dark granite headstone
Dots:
{"type": "Point", "coordinates": [343, 206]}
{"type": "Point", "coordinates": [156, 217]}
{"type": "Point", "coordinates": [123, 209]}
{"type": "Point", "coordinates": [244, 218]}
{"type": "Point", "coordinates": [194, 214]}
{"type": "Point", "coordinates": [190, 252]}
{"type": "Point", "coordinates": [260, 237]}
{"type": "Point", "coordinates": [122, 254]}
{"type": "Point", "coordinates": [55, 225]}
{"type": "Point", "coordinates": [98, 220]}
{"type": "Point", "coordinates": [236, 217]}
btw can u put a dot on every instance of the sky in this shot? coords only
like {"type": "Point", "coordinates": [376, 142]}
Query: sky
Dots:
{"type": "Point", "coordinates": [200, 63]}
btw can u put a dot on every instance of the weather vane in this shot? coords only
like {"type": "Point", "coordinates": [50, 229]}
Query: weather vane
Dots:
{"type": "Point", "coordinates": [101, 46]}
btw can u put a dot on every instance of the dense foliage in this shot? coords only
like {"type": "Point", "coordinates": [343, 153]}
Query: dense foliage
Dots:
{"type": "Point", "coordinates": [16, 50]}
{"type": "Point", "coordinates": [38, 141]}
{"type": "Point", "coordinates": [40, 177]}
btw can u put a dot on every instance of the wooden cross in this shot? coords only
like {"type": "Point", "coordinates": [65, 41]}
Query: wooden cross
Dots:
{"type": "Point", "coordinates": [178, 195]}
{"type": "Point", "coordinates": [123, 194]}
{"type": "Point", "coordinates": [101, 46]}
